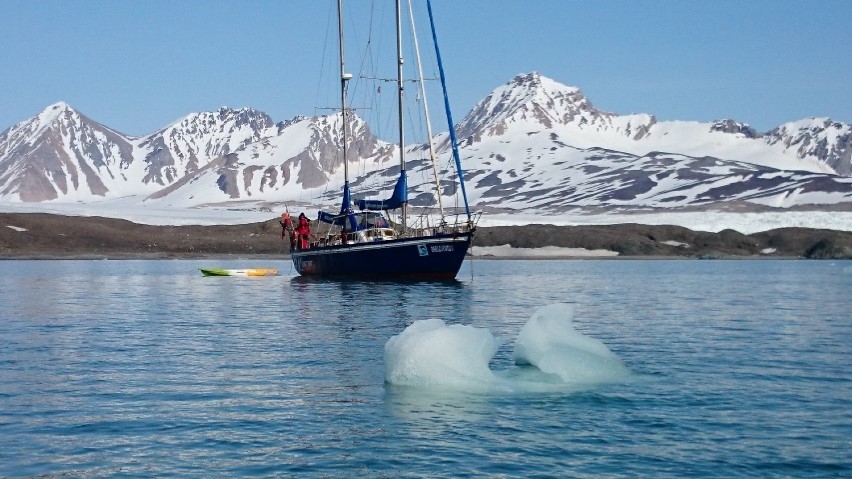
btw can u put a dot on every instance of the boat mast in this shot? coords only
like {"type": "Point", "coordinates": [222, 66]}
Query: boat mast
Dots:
{"type": "Point", "coordinates": [426, 112]}
{"type": "Point", "coordinates": [344, 79]}
{"type": "Point", "coordinates": [400, 88]}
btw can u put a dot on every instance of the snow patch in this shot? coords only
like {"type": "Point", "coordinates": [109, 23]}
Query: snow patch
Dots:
{"type": "Point", "coordinates": [546, 251]}
{"type": "Point", "coordinates": [711, 221]}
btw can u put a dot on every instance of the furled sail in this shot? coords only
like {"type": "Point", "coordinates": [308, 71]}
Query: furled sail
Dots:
{"type": "Point", "coordinates": [397, 199]}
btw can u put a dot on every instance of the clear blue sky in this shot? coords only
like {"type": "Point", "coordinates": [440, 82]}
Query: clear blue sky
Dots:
{"type": "Point", "coordinates": [136, 66]}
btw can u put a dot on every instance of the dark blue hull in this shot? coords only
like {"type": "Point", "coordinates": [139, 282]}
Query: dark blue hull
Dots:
{"type": "Point", "coordinates": [428, 257]}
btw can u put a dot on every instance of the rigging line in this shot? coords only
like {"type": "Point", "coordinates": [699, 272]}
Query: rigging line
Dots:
{"type": "Point", "coordinates": [364, 88]}
{"type": "Point", "coordinates": [367, 51]}
{"type": "Point", "coordinates": [393, 80]}
{"type": "Point", "coordinates": [323, 192]}
{"type": "Point", "coordinates": [370, 65]}
{"type": "Point", "coordinates": [453, 140]}
{"type": "Point", "coordinates": [323, 56]}
{"type": "Point", "coordinates": [364, 58]}
{"type": "Point", "coordinates": [414, 119]}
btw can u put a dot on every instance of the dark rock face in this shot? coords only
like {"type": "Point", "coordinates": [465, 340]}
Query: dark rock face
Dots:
{"type": "Point", "coordinates": [735, 127]}
{"type": "Point", "coordinates": [826, 248]}
{"type": "Point", "coordinates": [675, 241]}
{"type": "Point", "coordinates": [53, 236]}
{"type": "Point", "coordinates": [37, 235]}
{"type": "Point", "coordinates": [812, 244]}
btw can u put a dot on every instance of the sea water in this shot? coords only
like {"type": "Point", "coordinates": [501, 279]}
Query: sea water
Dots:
{"type": "Point", "coordinates": [550, 368]}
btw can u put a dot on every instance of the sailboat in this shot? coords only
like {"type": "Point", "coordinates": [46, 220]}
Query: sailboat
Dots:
{"type": "Point", "coordinates": [363, 243]}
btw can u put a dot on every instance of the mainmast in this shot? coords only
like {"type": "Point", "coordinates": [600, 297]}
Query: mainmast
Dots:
{"type": "Point", "coordinates": [344, 79]}
{"type": "Point", "coordinates": [400, 88]}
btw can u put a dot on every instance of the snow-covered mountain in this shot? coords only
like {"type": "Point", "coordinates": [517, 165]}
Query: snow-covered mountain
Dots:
{"type": "Point", "coordinates": [193, 141]}
{"type": "Point", "coordinates": [820, 139]}
{"type": "Point", "coordinates": [533, 144]}
{"type": "Point", "coordinates": [61, 153]}
{"type": "Point", "coordinates": [534, 103]}
{"type": "Point", "coordinates": [297, 156]}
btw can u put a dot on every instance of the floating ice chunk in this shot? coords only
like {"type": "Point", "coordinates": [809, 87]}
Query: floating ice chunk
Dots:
{"type": "Point", "coordinates": [431, 353]}
{"type": "Point", "coordinates": [549, 342]}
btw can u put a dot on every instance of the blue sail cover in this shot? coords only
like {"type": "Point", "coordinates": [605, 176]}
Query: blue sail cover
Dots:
{"type": "Point", "coordinates": [346, 204]}
{"type": "Point", "coordinates": [400, 196]}
{"type": "Point", "coordinates": [339, 219]}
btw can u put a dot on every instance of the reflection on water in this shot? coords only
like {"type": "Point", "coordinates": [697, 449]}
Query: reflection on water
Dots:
{"type": "Point", "coordinates": [439, 408]}
{"type": "Point", "coordinates": [400, 301]}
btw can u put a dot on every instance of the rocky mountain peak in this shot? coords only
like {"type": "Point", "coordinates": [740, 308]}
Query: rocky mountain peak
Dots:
{"type": "Point", "coordinates": [51, 116]}
{"type": "Point", "coordinates": [223, 120]}
{"type": "Point", "coordinates": [822, 138]}
{"type": "Point", "coordinates": [735, 127]}
{"type": "Point", "coordinates": [61, 122]}
{"type": "Point", "coordinates": [196, 139]}
{"type": "Point", "coordinates": [52, 112]}
{"type": "Point", "coordinates": [529, 97]}
{"type": "Point", "coordinates": [539, 88]}
{"type": "Point", "coordinates": [61, 153]}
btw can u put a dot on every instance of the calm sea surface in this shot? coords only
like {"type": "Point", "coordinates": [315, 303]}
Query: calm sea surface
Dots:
{"type": "Point", "coordinates": [146, 368]}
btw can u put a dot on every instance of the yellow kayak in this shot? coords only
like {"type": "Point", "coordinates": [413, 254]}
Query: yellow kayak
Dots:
{"type": "Point", "coordinates": [240, 272]}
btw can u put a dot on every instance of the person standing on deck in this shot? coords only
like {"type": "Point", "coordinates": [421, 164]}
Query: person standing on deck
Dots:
{"type": "Point", "coordinates": [303, 231]}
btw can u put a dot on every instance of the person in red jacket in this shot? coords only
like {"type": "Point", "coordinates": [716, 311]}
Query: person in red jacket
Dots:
{"type": "Point", "coordinates": [303, 231]}
{"type": "Point", "coordinates": [287, 229]}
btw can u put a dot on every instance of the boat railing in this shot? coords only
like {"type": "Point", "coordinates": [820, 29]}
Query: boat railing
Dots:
{"type": "Point", "coordinates": [458, 225]}
{"type": "Point", "coordinates": [424, 226]}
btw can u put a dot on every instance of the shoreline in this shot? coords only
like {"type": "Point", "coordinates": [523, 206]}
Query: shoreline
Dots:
{"type": "Point", "coordinates": [43, 236]}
